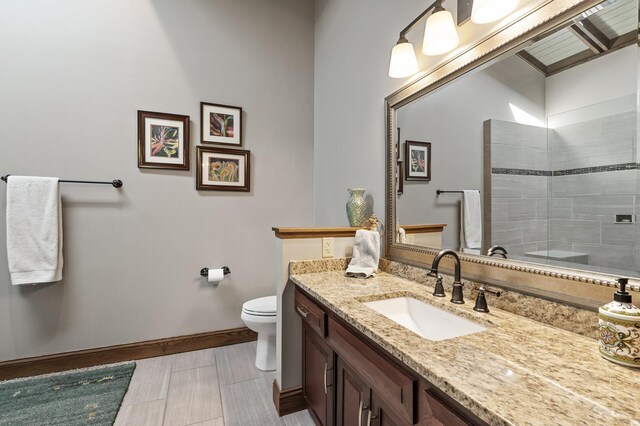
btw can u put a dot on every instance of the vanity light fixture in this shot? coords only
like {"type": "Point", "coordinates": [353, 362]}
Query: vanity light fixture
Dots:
{"type": "Point", "coordinates": [403, 59]}
{"type": "Point", "coordinates": [440, 36]}
{"type": "Point", "coordinates": [486, 11]}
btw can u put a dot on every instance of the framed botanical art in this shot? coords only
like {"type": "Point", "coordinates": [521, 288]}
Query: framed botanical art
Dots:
{"type": "Point", "coordinates": [222, 169]}
{"type": "Point", "coordinates": [221, 124]}
{"type": "Point", "coordinates": [417, 160]}
{"type": "Point", "coordinates": [163, 141]}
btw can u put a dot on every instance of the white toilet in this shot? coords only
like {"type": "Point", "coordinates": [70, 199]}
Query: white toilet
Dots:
{"type": "Point", "coordinates": [260, 316]}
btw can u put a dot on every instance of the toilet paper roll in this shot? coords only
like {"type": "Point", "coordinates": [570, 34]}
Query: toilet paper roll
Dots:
{"type": "Point", "coordinates": [215, 275]}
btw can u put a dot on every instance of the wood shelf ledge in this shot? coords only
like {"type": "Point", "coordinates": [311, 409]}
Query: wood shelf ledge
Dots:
{"type": "Point", "coordinates": [423, 228]}
{"type": "Point", "coordinates": [337, 231]}
{"type": "Point", "coordinates": [347, 231]}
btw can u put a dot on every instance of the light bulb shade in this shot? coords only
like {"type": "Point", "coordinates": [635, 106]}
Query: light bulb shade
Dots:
{"type": "Point", "coordinates": [403, 61]}
{"type": "Point", "coordinates": [485, 11]}
{"type": "Point", "coordinates": [440, 35]}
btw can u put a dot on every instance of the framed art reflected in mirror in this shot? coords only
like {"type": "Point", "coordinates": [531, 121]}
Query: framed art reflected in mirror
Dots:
{"type": "Point", "coordinates": [417, 160]}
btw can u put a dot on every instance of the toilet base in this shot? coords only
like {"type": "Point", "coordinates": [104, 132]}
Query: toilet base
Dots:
{"type": "Point", "coordinates": [266, 352]}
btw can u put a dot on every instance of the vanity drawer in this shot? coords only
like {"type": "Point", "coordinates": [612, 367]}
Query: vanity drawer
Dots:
{"type": "Point", "coordinates": [311, 313]}
{"type": "Point", "coordinates": [391, 384]}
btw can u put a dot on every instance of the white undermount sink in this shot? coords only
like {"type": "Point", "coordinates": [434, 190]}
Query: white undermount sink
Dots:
{"type": "Point", "coordinates": [423, 319]}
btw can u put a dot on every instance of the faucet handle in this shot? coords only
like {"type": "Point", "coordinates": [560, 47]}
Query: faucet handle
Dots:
{"type": "Point", "coordinates": [481, 300]}
{"type": "Point", "coordinates": [438, 290]}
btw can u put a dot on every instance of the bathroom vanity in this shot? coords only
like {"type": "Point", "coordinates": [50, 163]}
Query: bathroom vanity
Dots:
{"type": "Point", "coordinates": [347, 375]}
{"type": "Point", "coordinates": [362, 368]}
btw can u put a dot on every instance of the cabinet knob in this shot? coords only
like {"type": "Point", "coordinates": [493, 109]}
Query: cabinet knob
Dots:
{"type": "Point", "coordinates": [302, 312]}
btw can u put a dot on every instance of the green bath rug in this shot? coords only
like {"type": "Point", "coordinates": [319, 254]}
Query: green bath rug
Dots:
{"type": "Point", "coordinates": [81, 397]}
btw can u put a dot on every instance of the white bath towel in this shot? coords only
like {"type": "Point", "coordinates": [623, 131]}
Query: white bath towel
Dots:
{"type": "Point", "coordinates": [34, 230]}
{"type": "Point", "coordinates": [471, 222]}
{"type": "Point", "coordinates": [366, 254]}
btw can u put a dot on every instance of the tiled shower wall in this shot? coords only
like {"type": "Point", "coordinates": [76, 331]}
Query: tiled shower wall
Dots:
{"type": "Point", "coordinates": [518, 186]}
{"type": "Point", "coordinates": [567, 198]}
{"type": "Point", "coordinates": [595, 177]}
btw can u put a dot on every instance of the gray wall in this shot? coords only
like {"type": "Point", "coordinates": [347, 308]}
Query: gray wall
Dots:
{"type": "Point", "coordinates": [611, 76]}
{"type": "Point", "coordinates": [72, 77]}
{"type": "Point", "coordinates": [353, 41]}
{"type": "Point", "coordinates": [452, 119]}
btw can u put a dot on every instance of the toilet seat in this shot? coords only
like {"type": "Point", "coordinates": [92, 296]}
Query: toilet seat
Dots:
{"type": "Point", "coordinates": [261, 307]}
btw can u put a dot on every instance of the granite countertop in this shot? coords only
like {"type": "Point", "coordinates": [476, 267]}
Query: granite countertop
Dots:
{"type": "Point", "coordinates": [519, 371]}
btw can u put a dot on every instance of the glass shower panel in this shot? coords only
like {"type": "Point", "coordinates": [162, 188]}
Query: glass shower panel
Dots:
{"type": "Point", "coordinates": [593, 187]}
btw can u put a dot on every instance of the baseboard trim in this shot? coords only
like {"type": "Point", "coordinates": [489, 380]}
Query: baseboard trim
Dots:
{"type": "Point", "coordinates": [288, 401]}
{"type": "Point", "coordinates": [151, 348]}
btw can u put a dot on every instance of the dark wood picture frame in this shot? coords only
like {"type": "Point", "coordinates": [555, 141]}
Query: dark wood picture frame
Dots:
{"type": "Point", "coordinates": [242, 155]}
{"type": "Point", "coordinates": [407, 160]}
{"type": "Point", "coordinates": [400, 168]}
{"type": "Point", "coordinates": [143, 144]}
{"type": "Point", "coordinates": [205, 134]}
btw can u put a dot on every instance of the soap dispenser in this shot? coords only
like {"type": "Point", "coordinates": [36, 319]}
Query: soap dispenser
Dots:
{"type": "Point", "coordinates": [619, 328]}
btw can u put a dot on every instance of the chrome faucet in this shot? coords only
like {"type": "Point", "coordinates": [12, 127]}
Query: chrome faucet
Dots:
{"type": "Point", "coordinates": [456, 293]}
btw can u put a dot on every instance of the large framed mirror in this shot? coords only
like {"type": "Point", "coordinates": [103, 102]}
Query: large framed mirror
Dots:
{"type": "Point", "coordinates": [527, 141]}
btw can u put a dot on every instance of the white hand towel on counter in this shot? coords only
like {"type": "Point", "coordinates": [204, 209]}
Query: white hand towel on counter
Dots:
{"type": "Point", "coordinates": [34, 230]}
{"type": "Point", "coordinates": [471, 222]}
{"type": "Point", "coordinates": [366, 254]}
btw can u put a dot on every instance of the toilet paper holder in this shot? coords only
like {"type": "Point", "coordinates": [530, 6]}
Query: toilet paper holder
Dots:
{"type": "Point", "coordinates": [205, 271]}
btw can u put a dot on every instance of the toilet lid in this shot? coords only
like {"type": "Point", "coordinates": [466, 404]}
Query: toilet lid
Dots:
{"type": "Point", "coordinates": [261, 306]}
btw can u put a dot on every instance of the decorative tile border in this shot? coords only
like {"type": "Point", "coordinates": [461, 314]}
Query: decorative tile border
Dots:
{"type": "Point", "coordinates": [566, 172]}
{"type": "Point", "coordinates": [598, 169]}
{"type": "Point", "coordinates": [520, 172]}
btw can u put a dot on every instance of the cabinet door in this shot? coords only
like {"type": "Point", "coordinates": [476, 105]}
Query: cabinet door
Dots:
{"type": "Point", "coordinates": [353, 397]}
{"type": "Point", "coordinates": [317, 378]}
{"type": "Point", "coordinates": [390, 383]}
{"type": "Point", "coordinates": [379, 415]}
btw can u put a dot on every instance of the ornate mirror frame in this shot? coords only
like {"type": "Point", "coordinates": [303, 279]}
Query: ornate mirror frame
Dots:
{"type": "Point", "coordinates": [568, 286]}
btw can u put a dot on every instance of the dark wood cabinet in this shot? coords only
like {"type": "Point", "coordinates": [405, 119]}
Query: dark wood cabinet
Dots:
{"type": "Point", "coordinates": [350, 381]}
{"type": "Point", "coordinates": [381, 415]}
{"type": "Point", "coordinates": [352, 397]}
{"type": "Point", "coordinates": [389, 382]}
{"type": "Point", "coordinates": [318, 374]}
{"type": "Point", "coordinates": [435, 411]}
{"type": "Point", "coordinates": [357, 403]}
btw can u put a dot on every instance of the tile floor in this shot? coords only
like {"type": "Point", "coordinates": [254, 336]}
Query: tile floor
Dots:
{"type": "Point", "coordinates": [212, 387]}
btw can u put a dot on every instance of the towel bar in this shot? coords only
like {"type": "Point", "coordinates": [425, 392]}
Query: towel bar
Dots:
{"type": "Point", "coordinates": [116, 183]}
{"type": "Point", "coordinates": [440, 191]}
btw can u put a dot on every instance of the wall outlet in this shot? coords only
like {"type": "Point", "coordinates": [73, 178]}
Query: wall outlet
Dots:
{"type": "Point", "coordinates": [327, 247]}
{"type": "Point", "coordinates": [410, 238]}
